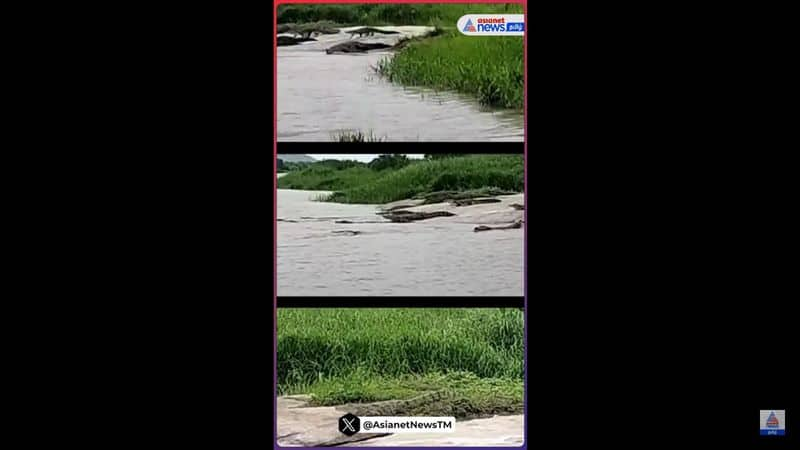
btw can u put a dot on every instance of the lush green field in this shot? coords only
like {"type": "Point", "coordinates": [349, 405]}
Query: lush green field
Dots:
{"type": "Point", "coordinates": [362, 355]}
{"type": "Point", "coordinates": [360, 184]}
{"type": "Point", "coordinates": [489, 68]}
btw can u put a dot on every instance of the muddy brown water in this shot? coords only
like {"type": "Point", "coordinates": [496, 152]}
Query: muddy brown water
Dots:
{"type": "Point", "coordinates": [320, 95]}
{"type": "Point", "coordinates": [436, 257]}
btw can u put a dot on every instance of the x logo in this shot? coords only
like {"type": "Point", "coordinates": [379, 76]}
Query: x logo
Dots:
{"type": "Point", "coordinates": [349, 424]}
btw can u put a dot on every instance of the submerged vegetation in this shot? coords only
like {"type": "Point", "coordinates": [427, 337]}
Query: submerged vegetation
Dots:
{"type": "Point", "coordinates": [394, 177]}
{"type": "Point", "coordinates": [489, 68]}
{"type": "Point", "coordinates": [357, 136]}
{"type": "Point", "coordinates": [364, 355]}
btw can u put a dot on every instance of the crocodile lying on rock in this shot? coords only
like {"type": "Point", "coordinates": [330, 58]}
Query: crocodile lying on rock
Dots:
{"type": "Point", "coordinates": [474, 201]}
{"type": "Point", "coordinates": [369, 31]}
{"type": "Point", "coordinates": [517, 224]}
{"type": "Point", "coordinates": [306, 30]}
{"type": "Point", "coordinates": [411, 216]}
{"type": "Point", "coordinates": [441, 196]}
{"type": "Point", "coordinates": [517, 206]}
{"type": "Point", "coordinates": [356, 47]}
{"type": "Point", "coordinates": [288, 40]}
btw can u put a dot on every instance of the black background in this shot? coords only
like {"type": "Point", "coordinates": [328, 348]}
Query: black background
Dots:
{"type": "Point", "coordinates": [661, 232]}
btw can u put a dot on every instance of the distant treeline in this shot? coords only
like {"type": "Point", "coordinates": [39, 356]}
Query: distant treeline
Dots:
{"type": "Point", "coordinates": [382, 162]}
{"type": "Point", "coordinates": [396, 177]}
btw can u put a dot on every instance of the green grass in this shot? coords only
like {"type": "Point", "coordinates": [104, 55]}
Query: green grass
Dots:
{"type": "Point", "coordinates": [317, 177]}
{"type": "Point", "coordinates": [367, 186]}
{"type": "Point", "coordinates": [357, 136]}
{"type": "Point", "coordinates": [488, 68]}
{"type": "Point", "coordinates": [364, 355]}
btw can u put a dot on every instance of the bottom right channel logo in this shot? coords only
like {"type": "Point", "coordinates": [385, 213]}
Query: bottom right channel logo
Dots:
{"type": "Point", "coordinates": [772, 422]}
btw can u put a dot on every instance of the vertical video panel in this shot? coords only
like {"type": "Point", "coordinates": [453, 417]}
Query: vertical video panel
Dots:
{"type": "Point", "coordinates": [400, 72]}
{"type": "Point", "coordinates": [400, 225]}
{"type": "Point", "coordinates": [408, 210]}
{"type": "Point", "coordinates": [461, 363]}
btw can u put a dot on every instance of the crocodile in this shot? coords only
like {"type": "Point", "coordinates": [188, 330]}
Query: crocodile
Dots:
{"type": "Point", "coordinates": [517, 224]}
{"type": "Point", "coordinates": [445, 402]}
{"type": "Point", "coordinates": [355, 47]}
{"type": "Point", "coordinates": [441, 196]}
{"type": "Point", "coordinates": [369, 31]}
{"type": "Point", "coordinates": [288, 40]}
{"type": "Point", "coordinates": [411, 216]}
{"type": "Point", "coordinates": [517, 206]}
{"type": "Point", "coordinates": [474, 201]}
{"type": "Point", "coordinates": [396, 407]}
{"type": "Point", "coordinates": [307, 30]}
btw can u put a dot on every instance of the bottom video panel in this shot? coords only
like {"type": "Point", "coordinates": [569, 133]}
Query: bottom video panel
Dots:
{"type": "Point", "coordinates": [400, 377]}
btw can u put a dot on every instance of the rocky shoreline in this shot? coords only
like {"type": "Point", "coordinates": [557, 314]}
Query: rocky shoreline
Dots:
{"type": "Point", "coordinates": [488, 213]}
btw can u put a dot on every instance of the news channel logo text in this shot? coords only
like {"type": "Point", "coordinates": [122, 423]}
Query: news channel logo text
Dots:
{"type": "Point", "coordinates": [492, 24]}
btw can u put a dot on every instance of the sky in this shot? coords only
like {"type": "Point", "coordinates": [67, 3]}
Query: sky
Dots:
{"type": "Point", "coordinates": [362, 158]}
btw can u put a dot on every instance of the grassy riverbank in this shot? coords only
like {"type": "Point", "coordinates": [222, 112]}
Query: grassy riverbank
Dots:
{"type": "Point", "coordinates": [488, 68]}
{"type": "Point", "coordinates": [366, 355]}
{"type": "Point", "coordinates": [358, 183]}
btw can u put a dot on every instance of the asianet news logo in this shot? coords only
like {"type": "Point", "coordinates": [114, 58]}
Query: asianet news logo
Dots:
{"type": "Point", "coordinates": [492, 24]}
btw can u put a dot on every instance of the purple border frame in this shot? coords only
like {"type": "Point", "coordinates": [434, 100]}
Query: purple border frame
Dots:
{"type": "Point", "coordinates": [524, 274]}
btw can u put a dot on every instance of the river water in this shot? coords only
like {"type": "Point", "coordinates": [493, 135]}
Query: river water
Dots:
{"type": "Point", "coordinates": [435, 257]}
{"type": "Point", "coordinates": [320, 95]}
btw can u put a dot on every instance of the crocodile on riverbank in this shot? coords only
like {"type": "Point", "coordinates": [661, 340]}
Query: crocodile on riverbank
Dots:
{"type": "Point", "coordinates": [369, 31]}
{"type": "Point", "coordinates": [474, 201]}
{"type": "Point", "coordinates": [517, 206]}
{"type": "Point", "coordinates": [395, 407]}
{"type": "Point", "coordinates": [356, 47]}
{"type": "Point", "coordinates": [288, 40]}
{"type": "Point", "coordinates": [515, 225]}
{"type": "Point", "coordinates": [411, 216]}
{"type": "Point", "coordinates": [442, 196]}
{"type": "Point", "coordinates": [435, 403]}
{"type": "Point", "coordinates": [307, 30]}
